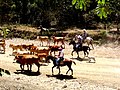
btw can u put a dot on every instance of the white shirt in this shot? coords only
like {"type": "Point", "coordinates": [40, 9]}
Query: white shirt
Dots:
{"type": "Point", "coordinates": [61, 53]}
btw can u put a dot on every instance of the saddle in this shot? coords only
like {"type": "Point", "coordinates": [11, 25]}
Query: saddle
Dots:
{"type": "Point", "coordinates": [61, 62]}
{"type": "Point", "coordinates": [78, 46]}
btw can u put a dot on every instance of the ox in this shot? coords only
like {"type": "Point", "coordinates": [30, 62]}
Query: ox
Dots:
{"type": "Point", "coordinates": [43, 39]}
{"type": "Point", "coordinates": [15, 48]}
{"type": "Point", "coordinates": [54, 49]}
{"type": "Point", "coordinates": [27, 46]}
{"type": "Point", "coordinates": [27, 59]}
{"type": "Point", "coordinates": [33, 49]}
{"type": "Point", "coordinates": [58, 39]}
{"type": "Point", "coordinates": [43, 53]}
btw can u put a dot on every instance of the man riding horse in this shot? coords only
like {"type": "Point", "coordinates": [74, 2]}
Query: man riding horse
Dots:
{"type": "Point", "coordinates": [84, 38]}
{"type": "Point", "coordinates": [60, 56]}
{"type": "Point", "coordinates": [84, 35]}
{"type": "Point", "coordinates": [81, 38]}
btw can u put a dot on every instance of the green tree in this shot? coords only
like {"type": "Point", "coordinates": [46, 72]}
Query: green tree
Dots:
{"type": "Point", "coordinates": [5, 10]}
{"type": "Point", "coordinates": [4, 32]}
{"type": "Point", "coordinates": [114, 5]}
{"type": "Point", "coordinates": [102, 9]}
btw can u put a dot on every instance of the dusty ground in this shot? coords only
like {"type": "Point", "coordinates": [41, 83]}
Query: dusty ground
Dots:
{"type": "Point", "coordinates": [104, 74]}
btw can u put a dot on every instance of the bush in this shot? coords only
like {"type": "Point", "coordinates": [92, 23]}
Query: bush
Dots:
{"type": "Point", "coordinates": [103, 34]}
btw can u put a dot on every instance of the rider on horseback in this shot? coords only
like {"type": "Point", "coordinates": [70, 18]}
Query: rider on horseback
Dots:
{"type": "Point", "coordinates": [79, 39]}
{"type": "Point", "coordinates": [60, 56]}
{"type": "Point", "coordinates": [84, 35]}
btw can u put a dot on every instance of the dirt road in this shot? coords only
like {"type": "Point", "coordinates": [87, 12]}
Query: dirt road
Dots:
{"type": "Point", "coordinates": [104, 74]}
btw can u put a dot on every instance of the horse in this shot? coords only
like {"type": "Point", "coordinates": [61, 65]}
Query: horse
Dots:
{"type": "Point", "coordinates": [65, 62]}
{"type": "Point", "coordinates": [87, 40]}
{"type": "Point", "coordinates": [78, 47]}
{"type": "Point", "coordinates": [42, 29]}
{"type": "Point", "coordinates": [27, 59]}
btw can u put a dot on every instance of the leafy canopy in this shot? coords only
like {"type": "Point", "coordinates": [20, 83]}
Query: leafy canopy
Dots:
{"type": "Point", "coordinates": [102, 9]}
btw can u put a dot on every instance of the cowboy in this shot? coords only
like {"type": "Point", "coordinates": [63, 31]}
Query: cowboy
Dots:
{"type": "Point", "coordinates": [79, 40]}
{"type": "Point", "coordinates": [60, 56]}
{"type": "Point", "coordinates": [84, 35]}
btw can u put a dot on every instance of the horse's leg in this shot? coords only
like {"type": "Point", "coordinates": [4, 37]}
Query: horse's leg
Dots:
{"type": "Point", "coordinates": [52, 70]}
{"type": "Point", "coordinates": [22, 68]}
{"type": "Point", "coordinates": [67, 71]}
{"type": "Point", "coordinates": [92, 44]}
{"type": "Point", "coordinates": [59, 70]}
{"type": "Point", "coordinates": [71, 71]}
{"type": "Point", "coordinates": [48, 42]}
{"type": "Point", "coordinates": [38, 65]}
{"type": "Point", "coordinates": [84, 54]}
{"type": "Point", "coordinates": [77, 54]}
{"type": "Point", "coordinates": [69, 66]}
{"type": "Point", "coordinates": [87, 53]}
{"type": "Point", "coordinates": [72, 53]}
{"type": "Point", "coordinates": [54, 53]}
{"type": "Point", "coordinates": [27, 67]}
{"type": "Point", "coordinates": [4, 48]}
{"type": "Point", "coordinates": [30, 67]}
{"type": "Point", "coordinates": [42, 43]}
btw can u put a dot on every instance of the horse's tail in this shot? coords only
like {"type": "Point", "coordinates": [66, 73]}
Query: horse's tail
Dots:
{"type": "Point", "coordinates": [74, 62]}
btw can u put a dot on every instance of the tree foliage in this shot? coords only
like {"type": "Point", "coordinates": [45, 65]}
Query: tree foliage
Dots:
{"type": "Point", "coordinates": [102, 9]}
{"type": "Point", "coordinates": [58, 12]}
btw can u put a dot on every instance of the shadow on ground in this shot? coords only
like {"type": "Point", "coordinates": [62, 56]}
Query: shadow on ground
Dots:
{"type": "Point", "coordinates": [89, 59]}
{"type": "Point", "coordinates": [26, 72]}
{"type": "Point", "coordinates": [61, 76]}
{"type": "Point", "coordinates": [79, 59]}
{"type": "Point", "coordinates": [2, 52]}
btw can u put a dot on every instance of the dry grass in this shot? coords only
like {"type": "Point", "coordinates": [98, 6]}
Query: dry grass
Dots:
{"type": "Point", "coordinates": [26, 28]}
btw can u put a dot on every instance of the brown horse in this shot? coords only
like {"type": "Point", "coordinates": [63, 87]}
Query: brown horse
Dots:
{"type": "Point", "coordinates": [65, 62]}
